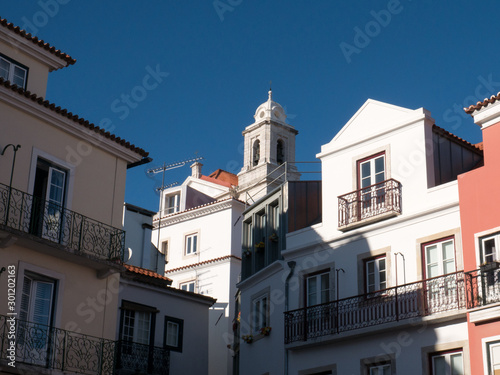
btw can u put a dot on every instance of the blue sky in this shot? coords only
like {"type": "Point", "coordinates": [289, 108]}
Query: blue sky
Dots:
{"type": "Point", "coordinates": [214, 60]}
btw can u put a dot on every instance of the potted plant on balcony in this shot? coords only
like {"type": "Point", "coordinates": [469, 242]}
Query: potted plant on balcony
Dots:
{"type": "Point", "coordinates": [260, 246]}
{"type": "Point", "coordinates": [247, 338]}
{"type": "Point", "coordinates": [489, 266]}
{"type": "Point", "coordinates": [265, 331]}
{"type": "Point", "coordinates": [273, 237]}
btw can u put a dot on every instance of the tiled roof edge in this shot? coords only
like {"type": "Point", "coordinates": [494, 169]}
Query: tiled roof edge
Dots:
{"type": "Point", "coordinates": [214, 260]}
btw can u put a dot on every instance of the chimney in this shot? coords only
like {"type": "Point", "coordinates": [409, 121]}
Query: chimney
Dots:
{"type": "Point", "coordinates": [196, 170]}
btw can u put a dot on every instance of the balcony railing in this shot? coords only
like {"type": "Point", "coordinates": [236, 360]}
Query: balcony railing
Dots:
{"type": "Point", "coordinates": [54, 348]}
{"type": "Point", "coordinates": [143, 359]}
{"type": "Point", "coordinates": [483, 286]}
{"type": "Point", "coordinates": [38, 217]}
{"type": "Point", "coordinates": [426, 297]}
{"type": "Point", "coordinates": [370, 202]}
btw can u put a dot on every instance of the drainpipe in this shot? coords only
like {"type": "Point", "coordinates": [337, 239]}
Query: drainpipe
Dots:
{"type": "Point", "coordinates": [291, 264]}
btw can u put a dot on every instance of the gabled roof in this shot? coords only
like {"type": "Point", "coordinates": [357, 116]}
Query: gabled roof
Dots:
{"type": "Point", "coordinates": [215, 260]}
{"type": "Point", "coordinates": [147, 273]}
{"type": "Point", "coordinates": [474, 107]}
{"type": "Point", "coordinates": [65, 113]}
{"type": "Point", "coordinates": [46, 46]}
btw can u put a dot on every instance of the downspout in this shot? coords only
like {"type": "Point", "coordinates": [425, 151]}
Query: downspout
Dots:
{"type": "Point", "coordinates": [291, 264]}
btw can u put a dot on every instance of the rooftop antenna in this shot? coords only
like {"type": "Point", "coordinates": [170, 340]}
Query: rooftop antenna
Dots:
{"type": "Point", "coordinates": [163, 169]}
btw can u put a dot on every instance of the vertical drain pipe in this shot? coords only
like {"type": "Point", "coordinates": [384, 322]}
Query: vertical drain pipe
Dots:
{"type": "Point", "coordinates": [291, 264]}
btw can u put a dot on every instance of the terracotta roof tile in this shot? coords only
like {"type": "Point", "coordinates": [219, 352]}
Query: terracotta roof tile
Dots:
{"type": "Point", "coordinates": [492, 99]}
{"type": "Point", "coordinates": [46, 46]}
{"type": "Point", "coordinates": [64, 112]}
{"type": "Point", "coordinates": [203, 263]}
{"type": "Point", "coordinates": [222, 175]}
{"type": "Point", "coordinates": [146, 272]}
{"type": "Point", "coordinates": [442, 131]}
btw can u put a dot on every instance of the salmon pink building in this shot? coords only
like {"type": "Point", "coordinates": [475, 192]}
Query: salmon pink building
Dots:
{"type": "Point", "coordinates": [479, 208]}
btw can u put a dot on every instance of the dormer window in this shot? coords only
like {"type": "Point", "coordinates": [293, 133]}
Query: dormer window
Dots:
{"type": "Point", "coordinates": [12, 71]}
{"type": "Point", "coordinates": [280, 152]}
{"type": "Point", "coordinates": [256, 153]}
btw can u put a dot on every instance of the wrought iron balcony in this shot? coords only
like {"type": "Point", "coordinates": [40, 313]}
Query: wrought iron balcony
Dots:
{"type": "Point", "coordinates": [369, 204]}
{"type": "Point", "coordinates": [483, 286]}
{"type": "Point", "coordinates": [79, 234]}
{"type": "Point", "coordinates": [143, 359]}
{"type": "Point", "coordinates": [422, 298]}
{"type": "Point", "coordinates": [53, 348]}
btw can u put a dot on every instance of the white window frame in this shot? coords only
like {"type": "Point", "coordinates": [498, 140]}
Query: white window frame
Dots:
{"type": "Point", "coordinates": [377, 272]}
{"type": "Point", "coordinates": [188, 244]}
{"type": "Point", "coordinates": [319, 291]}
{"type": "Point", "coordinates": [171, 324]}
{"type": "Point", "coordinates": [378, 367]}
{"type": "Point", "coordinates": [168, 209]}
{"type": "Point", "coordinates": [187, 285]}
{"type": "Point", "coordinates": [165, 245]}
{"type": "Point", "coordinates": [371, 161]}
{"type": "Point", "coordinates": [260, 312]}
{"type": "Point", "coordinates": [495, 256]}
{"type": "Point", "coordinates": [11, 70]}
{"type": "Point", "coordinates": [138, 327]}
{"type": "Point", "coordinates": [447, 356]}
{"type": "Point", "coordinates": [440, 262]}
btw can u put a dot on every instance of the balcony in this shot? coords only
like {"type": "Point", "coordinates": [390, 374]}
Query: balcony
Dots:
{"type": "Point", "coordinates": [55, 349]}
{"type": "Point", "coordinates": [483, 286]}
{"type": "Point", "coordinates": [427, 297]}
{"type": "Point", "coordinates": [78, 234]}
{"type": "Point", "coordinates": [370, 204]}
{"type": "Point", "coordinates": [134, 358]}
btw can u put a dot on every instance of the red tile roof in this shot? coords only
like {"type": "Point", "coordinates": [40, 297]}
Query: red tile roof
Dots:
{"type": "Point", "coordinates": [146, 272]}
{"type": "Point", "coordinates": [80, 120]}
{"type": "Point", "coordinates": [492, 99]}
{"type": "Point", "coordinates": [477, 147]}
{"type": "Point", "coordinates": [222, 175]}
{"type": "Point", "coordinates": [203, 263]}
{"type": "Point", "coordinates": [46, 46]}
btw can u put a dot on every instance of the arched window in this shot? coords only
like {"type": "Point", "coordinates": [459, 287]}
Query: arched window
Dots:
{"type": "Point", "coordinates": [280, 152]}
{"type": "Point", "coordinates": [256, 153]}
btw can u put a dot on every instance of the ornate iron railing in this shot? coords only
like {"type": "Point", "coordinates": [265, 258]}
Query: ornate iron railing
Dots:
{"type": "Point", "coordinates": [144, 359]}
{"type": "Point", "coordinates": [54, 348]}
{"type": "Point", "coordinates": [426, 297]}
{"type": "Point", "coordinates": [483, 287]}
{"type": "Point", "coordinates": [30, 214]}
{"type": "Point", "coordinates": [370, 202]}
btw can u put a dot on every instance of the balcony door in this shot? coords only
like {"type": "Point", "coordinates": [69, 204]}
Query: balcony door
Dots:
{"type": "Point", "coordinates": [439, 260]}
{"type": "Point", "coordinates": [48, 201]}
{"type": "Point", "coordinates": [371, 173]}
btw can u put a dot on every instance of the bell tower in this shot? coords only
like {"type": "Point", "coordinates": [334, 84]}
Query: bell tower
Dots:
{"type": "Point", "coordinates": [269, 156]}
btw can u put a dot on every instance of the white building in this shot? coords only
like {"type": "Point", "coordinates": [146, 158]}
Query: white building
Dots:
{"type": "Point", "coordinates": [200, 223]}
{"type": "Point", "coordinates": [377, 287]}
{"type": "Point", "coordinates": [160, 329]}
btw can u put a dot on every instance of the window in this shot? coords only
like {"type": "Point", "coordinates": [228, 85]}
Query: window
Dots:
{"type": "Point", "coordinates": [256, 153]}
{"type": "Point", "coordinates": [489, 248]}
{"type": "Point", "coordinates": [173, 334]}
{"type": "Point", "coordinates": [164, 250]}
{"type": "Point", "coordinates": [48, 199]}
{"type": "Point", "coordinates": [260, 312]}
{"type": "Point", "coordinates": [379, 369]}
{"type": "Point", "coordinates": [371, 171]}
{"type": "Point", "coordinates": [136, 326]}
{"type": "Point", "coordinates": [318, 288]}
{"type": "Point", "coordinates": [280, 152]}
{"type": "Point", "coordinates": [450, 363]}
{"type": "Point", "coordinates": [188, 286]}
{"type": "Point", "coordinates": [375, 274]}
{"type": "Point", "coordinates": [493, 357]}
{"type": "Point", "coordinates": [13, 71]}
{"type": "Point", "coordinates": [439, 258]}
{"type": "Point", "coordinates": [172, 204]}
{"type": "Point", "coordinates": [191, 245]}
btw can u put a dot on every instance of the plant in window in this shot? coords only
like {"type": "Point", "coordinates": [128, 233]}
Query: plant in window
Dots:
{"type": "Point", "coordinates": [273, 237]}
{"type": "Point", "coordinates": [489, 266]}
{"type": "Point", "coordinates": [247, 338]}
{"type": "Point", "coordinates": [266, 331]}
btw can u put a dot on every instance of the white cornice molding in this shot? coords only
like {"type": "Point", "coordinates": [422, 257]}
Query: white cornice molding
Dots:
{"type": "Point", "coordinates": [193, 213]}
{"type": "Point", "coordinates": [65, 124]}
{"type": "Point", "coordinates": [32, 49]}
{"type": "Point", "coordinates": [488, 115]}
{"type": "Point", "coordinates": [263, 274]}
{"type": "Point", "coordinates": [203, 264]}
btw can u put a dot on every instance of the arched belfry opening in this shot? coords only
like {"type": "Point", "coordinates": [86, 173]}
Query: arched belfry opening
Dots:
{"type": "Point", "coordinates": [280, 152]}
{"type": "Point", "coordinates": [256, 153]}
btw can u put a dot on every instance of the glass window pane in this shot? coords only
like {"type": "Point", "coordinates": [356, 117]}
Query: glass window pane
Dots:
{"type": "Point", "coordinates": [439, 365]}
{"type": "Point", "coordinates": [4, 69]}
{"type": "Point", "coordinates": [432, 254]}
{"type": "Point", "coordinates": [457, 367]}
{"type": "Point", "coordinates": [19, 75]}
{"type": "Point", "coordinates": [379, 164]}
{"type": "Point", "coordinates": [365, 170]}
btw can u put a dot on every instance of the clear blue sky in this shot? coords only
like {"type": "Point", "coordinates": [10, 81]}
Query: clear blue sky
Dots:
{"type": "Point", "coordinates": [324, 57]}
